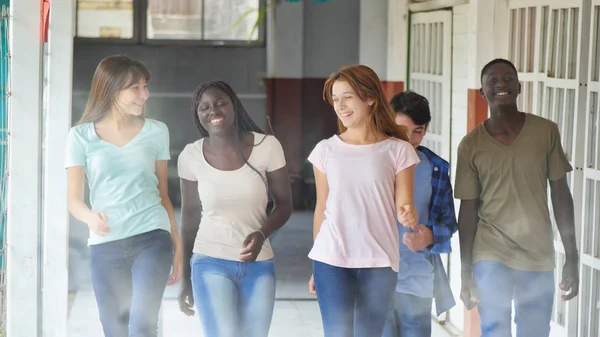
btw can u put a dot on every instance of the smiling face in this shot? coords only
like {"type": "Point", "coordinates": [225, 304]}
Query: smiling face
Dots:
{"type": "Point", "coordinates": [350, 109]}
{"type": "Point", "coordinates": [500, 85]}
{"type": "Point", "coordinates": [215, 112]}
{"type": "Point", "coordinates": [131, 100]}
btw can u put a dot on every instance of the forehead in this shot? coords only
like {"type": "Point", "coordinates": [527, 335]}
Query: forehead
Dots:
{"type": "Point", "coordinates": [500, 69]}
{"type": "Point", "coordinates": [405, 120]}
{"type": "Point", "coordinates": [341, 87]}
{"type": "Point", "coordinates": [213, 94]}
{"type": "Point", "coordinates": [131, 81]}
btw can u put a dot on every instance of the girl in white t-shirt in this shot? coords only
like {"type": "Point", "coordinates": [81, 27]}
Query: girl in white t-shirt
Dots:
{"type": "Point", "coordinates": [226, 179]}
{"type": "Point", "coordinates": [364, 179]}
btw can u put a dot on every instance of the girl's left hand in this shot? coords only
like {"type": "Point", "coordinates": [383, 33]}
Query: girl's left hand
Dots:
{"type": "Point", "coordinates": [252, 246]}
{"type": "Point", "coordinates": [177, 270]}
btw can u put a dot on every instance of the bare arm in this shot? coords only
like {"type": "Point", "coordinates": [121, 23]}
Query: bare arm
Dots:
{"type": "Point", "coordinates": [162, 175]}
{"type": "Point", "coordinates": [75, 194]}
{"type": "Point", "coordinates": [191, 210]}
{"type": "Point", "coordinates": [281, 191]}
{"type": "Point", "coordinates": [562, 203]}
{"type": "Point", "coordinates": [322, 193]}
{"type": "Point", "coordinates": [467, 228]}
{"type": "Point", "coordinates": [404, 189]}
{"type": "Point", "coordinates": [163, 189]}
{"type": "Point", "coordinates": [467, 224]}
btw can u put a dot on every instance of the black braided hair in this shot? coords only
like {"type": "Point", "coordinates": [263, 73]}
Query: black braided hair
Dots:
{"type": "Point", "coordinates": [243, 121]}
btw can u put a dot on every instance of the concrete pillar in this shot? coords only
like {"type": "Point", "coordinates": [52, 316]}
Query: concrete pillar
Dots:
{"type": "Point", "coordinates": [57, 123]}
{"type": "Point", "coordinates": [373, 41]}
{"type": "Point", "coordinates": [24, 183]}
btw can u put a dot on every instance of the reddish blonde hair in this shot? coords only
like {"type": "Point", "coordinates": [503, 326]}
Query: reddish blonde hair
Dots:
{"type": "Point", "coordinates": [365, 82]}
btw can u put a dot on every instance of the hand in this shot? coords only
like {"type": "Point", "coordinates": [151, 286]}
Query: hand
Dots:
{"type": "Point", "coordinates": [468, 292]}
{"type": "Point", "coordinates": [311, 286]}
{"type": "Point", "coordinates": [407, 215]}
{"type": "Point", "coordinates": [186, 298]}
{"type": "Point", "coordinates": [98, 223]}
{"type": "Point", "coordinates": [570, 280]}
{"type": "Point", "coordinates": [252, 247]}
{"type": "Point", "coordinates": [419, 240]}
{"type": "Point", "coordinates": [177, 269]}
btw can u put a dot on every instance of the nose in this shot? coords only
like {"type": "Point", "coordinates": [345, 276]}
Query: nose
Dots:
{"type": "Point", "coordinates": [501, 84]}
{"type": "Point", "coordinates": [144, 94]}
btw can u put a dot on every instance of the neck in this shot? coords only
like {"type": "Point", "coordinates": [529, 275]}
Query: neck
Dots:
{"type": "Point", "coordinates": [508, 114]}
{"type": "Point", "coordinates": [360, 135]}
{"type": "Point", "coordinates": [224, 141]}
{"type": "Point", "coordinates": [120, 120]}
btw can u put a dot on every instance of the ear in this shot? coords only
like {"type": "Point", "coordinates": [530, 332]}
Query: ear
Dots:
{"type": "Point", "coordinates": [519, 87]}
{"type": "Point", "coordinates": [370, 102]}
{"type": "Point", "coordinates": [483, 95]}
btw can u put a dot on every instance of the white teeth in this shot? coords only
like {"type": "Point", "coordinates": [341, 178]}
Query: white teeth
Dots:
{"type": "Point", "coordinates": [501, 94]}
{"type": "Point", "coordinates": [216, 121]}
{"type": "Point", "coordinates": [346, 114]}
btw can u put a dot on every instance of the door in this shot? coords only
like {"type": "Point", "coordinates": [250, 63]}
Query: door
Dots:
{"type": "Point", "coordinates": [430, 75]}
{"type": "Point", "coordinates": [589, 295]}
{"type": "Point", "coordinates": [545, 44]}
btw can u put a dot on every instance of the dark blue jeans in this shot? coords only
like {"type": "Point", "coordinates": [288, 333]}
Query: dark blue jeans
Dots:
{"type": "Point", "coordinates": [129, 278]}
{"type": "Point", "coordinates": [410, 316]}
{"type": "Point", "coordinates": [533, 293]}
{"type": "Point", "coordinates": [354, 302]}
{"type": "Point", "coordinates": [233, 298]}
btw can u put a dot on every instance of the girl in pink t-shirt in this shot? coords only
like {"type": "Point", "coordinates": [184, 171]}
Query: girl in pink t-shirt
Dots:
{"type": "Point", "coordinates": [364, 179]}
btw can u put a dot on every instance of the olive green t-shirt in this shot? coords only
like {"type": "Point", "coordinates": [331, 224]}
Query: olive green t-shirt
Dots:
{"type": "Point", "coordinates": [511, 183]}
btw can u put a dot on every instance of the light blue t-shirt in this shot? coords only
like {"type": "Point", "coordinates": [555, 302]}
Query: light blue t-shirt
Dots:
{"type": "Point", "coordinates": [122, 180]}
{"type": "Point", "coordinates": [415, 276]}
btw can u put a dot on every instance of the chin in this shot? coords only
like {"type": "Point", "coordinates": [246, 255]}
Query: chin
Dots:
{"type": "Point", "coordinates": [136, 113]}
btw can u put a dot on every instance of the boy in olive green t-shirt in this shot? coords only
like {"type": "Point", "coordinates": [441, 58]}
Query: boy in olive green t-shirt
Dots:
{"type": "Point", "coordinates": [505, 230]}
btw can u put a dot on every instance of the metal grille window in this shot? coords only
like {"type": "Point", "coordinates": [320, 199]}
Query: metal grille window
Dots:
{"type": "Point", "coordinates": [430, 73]}
{"type": "Point", "coordinates": [589, 317]}
{"type": "Point", "coordinates": [4, 133]}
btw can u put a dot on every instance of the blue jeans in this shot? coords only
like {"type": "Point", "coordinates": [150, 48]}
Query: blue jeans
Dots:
{"type": "Point", "coordinates": [129, 278]}
{"type": "Point", "coordinates": [410, 316]}
{"type": "Point", "coordinates": [533, 293]}
{"type": "Point", "coordinates": [354, 302]}
{"type": "Point", "coordinates": [233, 298]}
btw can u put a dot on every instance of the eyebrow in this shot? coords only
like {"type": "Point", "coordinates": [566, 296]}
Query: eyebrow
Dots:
{"type": "Point", "coordinates": [345, 92]}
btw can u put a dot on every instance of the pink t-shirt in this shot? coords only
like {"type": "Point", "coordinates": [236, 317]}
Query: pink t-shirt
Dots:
{"type": "Point", "coordinates": [360, 230]}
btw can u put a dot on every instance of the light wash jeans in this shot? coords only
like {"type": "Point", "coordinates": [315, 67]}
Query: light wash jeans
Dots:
{"type": "Point", "coordinates": [533, 293]}
{"type": "Point", "coordinates": [233, 298]}
{"type": "Point", "coordinates": [129, 278]}
{"type": "Point", "coordinates": [354, 302]}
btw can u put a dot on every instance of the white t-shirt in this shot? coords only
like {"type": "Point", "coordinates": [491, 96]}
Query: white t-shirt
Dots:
{"type": "Point", "coordinates": [233, 202]}
{"type": "Point", "coordinates": [360, 230]}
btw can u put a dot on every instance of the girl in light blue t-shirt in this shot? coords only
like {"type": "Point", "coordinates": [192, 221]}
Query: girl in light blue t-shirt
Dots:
{"type": "Point", "coordinates": [133, 234]}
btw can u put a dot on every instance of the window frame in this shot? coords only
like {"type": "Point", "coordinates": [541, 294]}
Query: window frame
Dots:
{"type": "Point", "coordinates": [140, 29]}
{"type": "Point", "coordinates": [137, 5]}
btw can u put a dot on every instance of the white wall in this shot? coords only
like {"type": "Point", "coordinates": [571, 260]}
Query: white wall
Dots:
{"type": "Point", "coordinates": [373, 40]}
{"type": "Point", "coordinates": [460, 68]}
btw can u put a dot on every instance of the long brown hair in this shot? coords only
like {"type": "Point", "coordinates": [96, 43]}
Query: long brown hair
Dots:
{"type": "Point", "coordinates": [365, 82]}
{"type": "Point", "coordinates": [113, 74]}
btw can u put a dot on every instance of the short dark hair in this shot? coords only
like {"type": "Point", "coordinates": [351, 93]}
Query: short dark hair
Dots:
{"type": "Point", "coordinates": [413, 105]}
{"type": "Point", "coordinates": [487, 67]}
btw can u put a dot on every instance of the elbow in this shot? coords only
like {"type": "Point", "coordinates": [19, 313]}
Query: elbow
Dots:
{"type": "Point", "coordinates": [284, 207]}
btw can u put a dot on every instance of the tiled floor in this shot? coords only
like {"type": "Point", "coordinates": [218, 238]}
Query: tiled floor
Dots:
{"type": "Point", "coordinates": [296, 312]}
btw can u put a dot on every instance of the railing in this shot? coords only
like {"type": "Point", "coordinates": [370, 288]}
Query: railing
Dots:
{"type": "Point", "coordinates": [4, 138]}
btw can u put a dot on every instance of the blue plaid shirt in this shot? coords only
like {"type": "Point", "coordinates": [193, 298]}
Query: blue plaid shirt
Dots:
{"type": "Point", "coordinates": [442, 222]}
